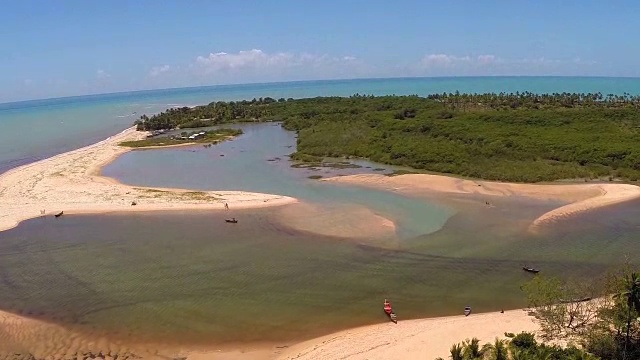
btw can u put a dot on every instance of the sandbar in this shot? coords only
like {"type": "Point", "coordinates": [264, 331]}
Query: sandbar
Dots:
{"type": "Point", "coordinates": [70, 182]}
{"type": "Point", "coordinates": [340, 221]}
{"type": "Point", "coordinates": [579, 197]}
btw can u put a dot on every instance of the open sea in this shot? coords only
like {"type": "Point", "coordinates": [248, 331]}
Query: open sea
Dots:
{"type": "Point", "coordinates": [188, 277]}
{"type": "Point", "coordinates": [37, 129]}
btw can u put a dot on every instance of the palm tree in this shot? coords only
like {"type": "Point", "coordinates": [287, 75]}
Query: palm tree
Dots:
{"type": "Point", "coordinates": [630, 293]}
{"type": "Point", "coordinates": [497, 351]}
{"type": "Point", "coordinates": [472, 350]}
{"type": "Point", "coordinates": [520, 354]}
{"type": "Point", "coordinates": [544, 352]}
{"type": "Point", "coordinates": [456, 352]}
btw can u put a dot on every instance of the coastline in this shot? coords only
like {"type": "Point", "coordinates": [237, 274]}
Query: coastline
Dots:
{"type": "Point", "coordinates": [411, 339]}
{"type": "Point", "coordinates": [579, 197]}
{"type": "Point", "coordinates": [70, 182]}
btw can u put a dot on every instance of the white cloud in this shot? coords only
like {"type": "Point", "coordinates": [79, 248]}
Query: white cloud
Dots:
{"type": "Point", "coordinates": [488, 64]}
{"type": "Point", "coordinates": [157, 70]}
{"type": "Point", "coordinates": [258, 65]}
{"type": "Point", "coordinates": [101, 74]}
{"type": "Point", "coordinates": [486, 59]}
{"type": "Point", "coordinates": [221, 61]}
{"type": "Point", "coordinates": [444, 60]}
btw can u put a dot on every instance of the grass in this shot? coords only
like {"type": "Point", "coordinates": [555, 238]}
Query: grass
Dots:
{"type": "Point", "coordinates": [210, 137]}
{"type": "Point", "coordinates": [189, 195]}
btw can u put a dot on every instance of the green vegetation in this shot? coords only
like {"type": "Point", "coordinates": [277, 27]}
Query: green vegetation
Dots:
{"type": "Point", "coordinates": [183, 196]}
{"type": "Point", "coordinates": [519, 347]}
{"type": "Point", "coordinates": [607, 326]}
{"type": "Point", "coordinates": [520, 137]}
{"type": "Point", "coordinates": [211, 137]}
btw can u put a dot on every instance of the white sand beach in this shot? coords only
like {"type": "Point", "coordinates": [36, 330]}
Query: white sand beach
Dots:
{"type": "Point", "coordinates": [412, 339]}
{"type": "Point", "coordinates": [70, 182]}
{"type": "Point", "coordinates": [580, 197]}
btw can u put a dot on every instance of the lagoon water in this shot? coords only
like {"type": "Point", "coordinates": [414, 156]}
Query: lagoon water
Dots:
{"type": "Point", "coordinates": [37, 129]}
{"type": "Point", "coordinates": [258, 161]}
{"type": "Point", "coordinates": [188, 277]}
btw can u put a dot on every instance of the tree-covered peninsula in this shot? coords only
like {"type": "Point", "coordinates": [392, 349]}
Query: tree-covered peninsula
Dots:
{"type": "Point", "coordinates": [522, 137]}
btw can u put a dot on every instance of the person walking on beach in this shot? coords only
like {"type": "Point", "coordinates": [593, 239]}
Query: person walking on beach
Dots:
{"type": "Point", "coordinates": [226, 206]}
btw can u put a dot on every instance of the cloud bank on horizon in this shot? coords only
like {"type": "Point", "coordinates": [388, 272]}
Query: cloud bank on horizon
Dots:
{"type": "Point", "coordinates": [67, 48]}
{"type": "Point", "coordinates": [257, 66]}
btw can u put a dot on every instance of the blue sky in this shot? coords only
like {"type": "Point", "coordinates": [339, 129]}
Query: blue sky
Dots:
{"type": "Point", "coordinates": [61, 48]}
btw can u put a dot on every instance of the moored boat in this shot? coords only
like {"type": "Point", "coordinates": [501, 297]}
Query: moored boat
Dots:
{"type": "Point", "coordinates": [530, 269]}
{"type": "Point", "coordinates": [389, 311]}
{"type": "Point", "coordinates": [233, 221]}
{"type": "Point", "coordinates": [467, 310]}
{"type": "Point", "coordinates": [59, 214]}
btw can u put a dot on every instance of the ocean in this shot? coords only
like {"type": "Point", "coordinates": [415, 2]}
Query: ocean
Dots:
{"type": "Point", "coordinates": [37, 129]}
{"type": "Point", "coordinates": [188, 277]}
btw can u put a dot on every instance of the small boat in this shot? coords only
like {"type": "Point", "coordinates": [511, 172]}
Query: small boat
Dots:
{"type": "Point", "coordinates": [389, 311]}
{"type": "Point", "coordinates": [562, 301]}
{"type": "Point", "coordinates": [233, 221]}
{"type": "Point", "coordinates": [530, 269]}
{"type": "Point", "coordinates": [59, 214]}
{"type": "Point", "coordinates": [467, 310]}
{"type": "Point", "coordinates": [393, 317]}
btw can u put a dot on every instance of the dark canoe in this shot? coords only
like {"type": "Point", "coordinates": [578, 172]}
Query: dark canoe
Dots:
{"type": "Point", "coordinates": [233, 221]}
{"type": "Point", "coordinates": [392, 316]}
{"type": "Point", "coordinates": [59, 214]}
{"type": "Point", "coordinates": [531, 270]}
{"type": "Point", "coordinates": [575, 300]}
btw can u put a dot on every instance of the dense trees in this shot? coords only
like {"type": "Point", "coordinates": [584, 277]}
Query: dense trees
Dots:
{"type": "Point", "coordinates": [607, 326]}
{"type": "Point", "coordinates": [517, 347]}
{"type": "Point", "coordinates": [521, 137]}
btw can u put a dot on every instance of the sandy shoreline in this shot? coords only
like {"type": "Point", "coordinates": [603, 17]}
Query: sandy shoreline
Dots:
{"type": "Point", "coordinates": [580, 197]}
{"type": "Point", "coordinates": [411, 339]}
{"type": "Point", "coordinates": [70, 182]}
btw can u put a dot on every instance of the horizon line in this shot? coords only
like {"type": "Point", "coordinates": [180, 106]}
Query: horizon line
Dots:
{"type": "Point", "coordinates": [313, 80]}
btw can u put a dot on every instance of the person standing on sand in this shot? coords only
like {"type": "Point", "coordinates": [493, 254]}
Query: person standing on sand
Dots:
{"type": "Point", "coordinates": [387, 306]}
{"type": "Point", "coordinates": [226, 206]}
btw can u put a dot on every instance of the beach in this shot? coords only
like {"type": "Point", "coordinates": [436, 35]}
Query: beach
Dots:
{"type": "Point", "coordinates": [70, 182]}
{"type": "Point", "coordinates": [578, 197]}
{"type": "Point", "coordinates": [412, 339]}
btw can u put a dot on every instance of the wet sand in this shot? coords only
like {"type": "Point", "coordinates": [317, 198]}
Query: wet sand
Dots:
{"type": "Point", "coordinates": [579, 197]}
{"type": "Point", "coordinates": [70, 182]}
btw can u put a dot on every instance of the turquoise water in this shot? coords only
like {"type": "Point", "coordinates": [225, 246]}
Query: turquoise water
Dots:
{"type": "Point", "coordinates": [189, 277]}
{"type": "Point", "coordinates": [257, 161]}
{"type": "Point", "coordinates": [36, 129]}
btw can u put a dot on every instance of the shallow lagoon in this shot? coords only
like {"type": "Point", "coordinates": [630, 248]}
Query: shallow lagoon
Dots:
{"type": "Point", "coordinates": [258, 161]}
{"type": "Point", "coordinates": [188, 277]}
